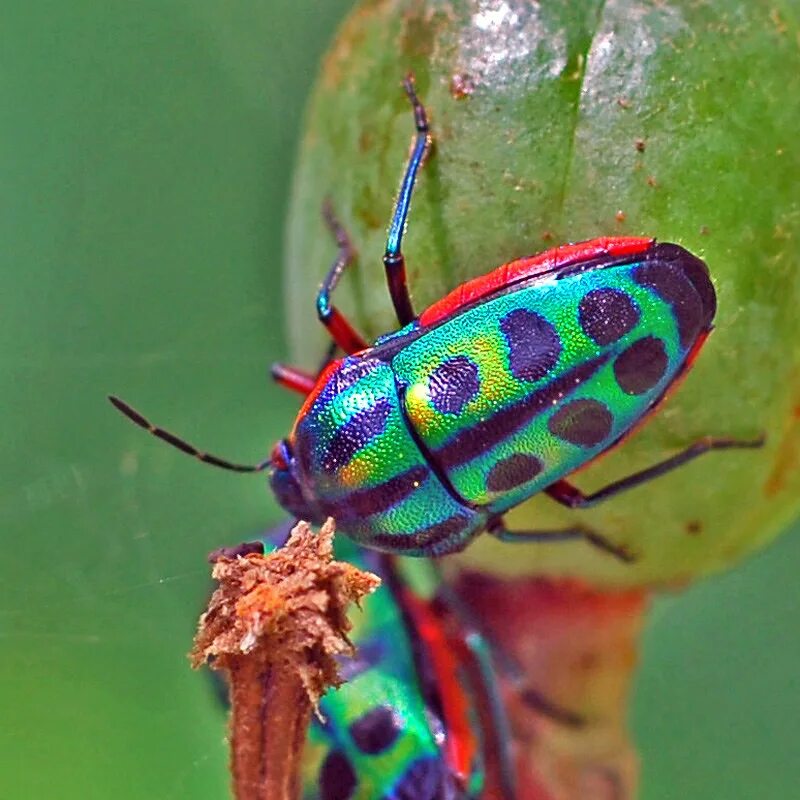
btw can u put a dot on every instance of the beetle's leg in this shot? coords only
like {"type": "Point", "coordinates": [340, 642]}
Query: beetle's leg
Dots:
{"type": "Point", "coordinates": [568, 495]}
{"type": "Point", "coordinates": [393, 260]}
{"type": "Point", "coordinates": [298, 380]}
{"type": "Point", "coordinates": [293, 378]}
{"type": "Point", "coordinates": [481, 656]}
{"type": "Point", "coordinates": [497, 528]}
{"type": "Point", "coordinates": [507, 664]}
{"type": "Point", "coordinates": [545, 707]}
{"type": "Point", "coordinates": [485, 650]}
{"type": "Point", "coordinates": [483, 645]}
{"type": "Point", "coordinates": [341, 331]}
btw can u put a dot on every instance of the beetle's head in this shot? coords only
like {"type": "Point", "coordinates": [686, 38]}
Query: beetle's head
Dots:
{"type": "Point", "coordinates": [283, 479]}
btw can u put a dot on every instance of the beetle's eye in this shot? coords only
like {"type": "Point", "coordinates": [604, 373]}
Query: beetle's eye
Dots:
{"type": "Point", "coordinates": [280, 455]}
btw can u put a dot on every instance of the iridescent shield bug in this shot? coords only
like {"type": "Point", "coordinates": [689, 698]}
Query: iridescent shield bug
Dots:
{"type": "Point", "coordinates": [422, 440]}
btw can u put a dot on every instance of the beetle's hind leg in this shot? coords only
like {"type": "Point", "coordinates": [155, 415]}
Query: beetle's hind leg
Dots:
{"type": "Point", "coordinates": [497, 528]}
{"type": "Point", "coordinates": [568, 495]}
{"type": "Point", "coordinates": [393, 260]}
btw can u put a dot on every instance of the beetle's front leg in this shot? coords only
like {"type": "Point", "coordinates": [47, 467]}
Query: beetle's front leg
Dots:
{"type": "Point", "coordinates": [298, 380]}
{"type": "Point", "coordinates": [292, 378]}
{"type": "Point", "coordinates": [340, 329]}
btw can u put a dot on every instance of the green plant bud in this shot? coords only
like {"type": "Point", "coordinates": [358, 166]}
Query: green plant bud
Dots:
{"type": "Point", "coordinates": [559, 122]}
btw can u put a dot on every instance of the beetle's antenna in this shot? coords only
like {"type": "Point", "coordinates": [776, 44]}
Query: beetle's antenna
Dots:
{"type": "Point", "coordinates": [170, 438]}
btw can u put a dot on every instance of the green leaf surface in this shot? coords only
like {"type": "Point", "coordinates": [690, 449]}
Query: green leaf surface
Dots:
{"type": "Point", "coordinates": [669, 119]}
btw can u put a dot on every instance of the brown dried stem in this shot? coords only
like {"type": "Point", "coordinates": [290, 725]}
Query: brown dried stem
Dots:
{"type": "Point", "coordinates": [274, 626]}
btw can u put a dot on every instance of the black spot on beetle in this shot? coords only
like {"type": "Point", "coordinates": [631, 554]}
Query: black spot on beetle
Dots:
{"type": "Point", "coordinates": [641, 366]}
{"type": "Point", "coordinates": [425, 779]}
{"type": "Point", "coordinates": [534, 345]}
{"type": "Point", "coordinates": [377, 730]}
{"type": "Point", "coordinates": [337, 778]}
{"type": "Point", "coordinates": [681, 280]}
{"type": "Point", "coordinates": [453, 384]}
{"type": "Point", "coordinates": [606, 315]}
{"type": "Point", "coordinates": [357, 432]}
{"type": "Point", "coordinates": [513, 471]}
{"type": "Point", "coordinates": [583, 422]}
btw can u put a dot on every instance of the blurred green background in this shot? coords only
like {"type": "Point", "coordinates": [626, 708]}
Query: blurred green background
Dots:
{"type": "Point", "coordinates": [145, 162]}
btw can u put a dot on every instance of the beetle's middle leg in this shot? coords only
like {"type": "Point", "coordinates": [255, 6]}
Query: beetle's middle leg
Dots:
{"type": "Point", "coordinates": [497, 528]}
{"type": "Point", "coordinates": [481, 660]}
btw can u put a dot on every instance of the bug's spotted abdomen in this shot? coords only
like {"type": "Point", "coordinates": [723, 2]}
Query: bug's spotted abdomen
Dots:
{"type": "Point", "coordinates": [357, 461]}
{"type": "Point", "coordinates": [513, 392]}
{"type": "Point", "coordinates": [413, 444]}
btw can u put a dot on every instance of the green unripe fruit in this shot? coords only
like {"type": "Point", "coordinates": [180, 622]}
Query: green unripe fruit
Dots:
{"type": "Point", "coordinates": [561, 122]}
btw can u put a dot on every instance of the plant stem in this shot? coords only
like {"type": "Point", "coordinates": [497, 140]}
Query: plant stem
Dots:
{"type": "Point", "coordinates": [274, 626]}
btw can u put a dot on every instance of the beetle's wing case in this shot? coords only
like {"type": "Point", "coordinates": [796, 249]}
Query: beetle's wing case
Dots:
{"type": "Point", "coordinates": [538, 267]}
{"type": "Point", "coordinates": [378, 728]}
{"type": "Point", "coordinates": [358, 462]}
{"type": "Point", "coordinates": [523, 386]}
{"type": "Point", "coordinates": [393, 720]}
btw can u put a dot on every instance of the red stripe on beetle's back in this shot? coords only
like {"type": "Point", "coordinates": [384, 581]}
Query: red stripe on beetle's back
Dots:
{"type": "Point", "coordinates": [523, 268]}
{"type": "Point", "coordinates": [460, 744]}
{"type": "Point", "coordinates": [322, 380]}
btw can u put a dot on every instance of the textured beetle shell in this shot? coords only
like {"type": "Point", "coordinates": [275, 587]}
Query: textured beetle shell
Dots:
{"type": "Point", "coordinates": [413, 445]}
{"type": "Point", "coordinates": [359, 463]}
{"type": "Point", "coordinates": [524, 388]}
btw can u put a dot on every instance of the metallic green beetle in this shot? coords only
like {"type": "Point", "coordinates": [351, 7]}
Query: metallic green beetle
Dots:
{"type": "Point", "coordinates": [498, 391]}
